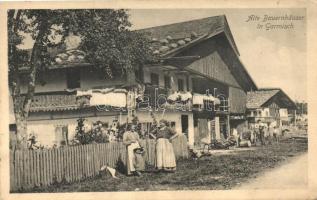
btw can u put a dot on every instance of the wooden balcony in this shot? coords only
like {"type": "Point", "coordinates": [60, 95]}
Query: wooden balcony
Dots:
{"type": "Point", "coordinates": [156, 98]}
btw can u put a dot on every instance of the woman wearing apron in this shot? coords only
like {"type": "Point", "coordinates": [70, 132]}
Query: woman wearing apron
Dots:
{"type": "Point", "coordinates": [131, 140]}
{"type": "Point", "coordinates": [165, 157]}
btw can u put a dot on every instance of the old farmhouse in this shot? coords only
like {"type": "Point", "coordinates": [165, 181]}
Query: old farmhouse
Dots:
{"type": "Point", "coordinates": [199, 85]}
{"type": "Point", "coordinates": [271, 106]}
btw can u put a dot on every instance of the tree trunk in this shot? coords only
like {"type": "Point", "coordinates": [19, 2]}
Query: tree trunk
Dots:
{"type": "Point", "coordinates": [21, 123]}
{"type": "Point", "coordinates": [22, 113]}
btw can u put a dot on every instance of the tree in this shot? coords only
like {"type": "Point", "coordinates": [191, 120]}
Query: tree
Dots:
{"type": "Point", "coordinates": [301, 108]}
{"type": "Point", "coordinates": [105, 38]}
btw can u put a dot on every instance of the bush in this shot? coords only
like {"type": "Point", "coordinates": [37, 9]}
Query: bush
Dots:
{"type": "Point", "coordinates": [93, 135]}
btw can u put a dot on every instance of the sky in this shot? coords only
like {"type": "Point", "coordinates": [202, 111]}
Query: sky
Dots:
{"type": "Point", "coordinates": [273, 58]}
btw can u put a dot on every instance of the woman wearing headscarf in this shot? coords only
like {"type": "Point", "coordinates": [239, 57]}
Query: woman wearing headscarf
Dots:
{"type": "Point", "coordinates": [165, 157]}
{"type": "Point", "coordinates": [132, 141]}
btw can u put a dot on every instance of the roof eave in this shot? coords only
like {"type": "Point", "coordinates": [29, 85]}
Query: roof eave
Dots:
{"type": "Point", "coordinates": [231, 38]}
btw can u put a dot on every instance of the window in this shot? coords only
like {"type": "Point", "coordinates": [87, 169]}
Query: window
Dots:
{"type": "Point", "coordinates": [61, 135]}
{"type": "Point", "coordinates": [180, 85]}
{"type": "Point", "coordinates": [259, 113]}
{"type": "Point", "coordinates": [73, 79]}
{"type": "Point", "coordinates": [184, 122]}
{"type": "Point", "coordinates": [167, 81]}
{"type": "Point", "coordinates": [154, 79]}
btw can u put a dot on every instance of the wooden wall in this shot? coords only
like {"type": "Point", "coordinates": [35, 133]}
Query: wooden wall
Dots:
{"type": "Point", "coordinates": [237, 100]}
{"type": "Point", "coordinates": [212, 64]}
{"type": "Point", "coordinates": [201, 85]}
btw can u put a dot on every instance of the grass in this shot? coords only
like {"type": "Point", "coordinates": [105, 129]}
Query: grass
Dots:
{"type": "Point", "coordinates": [208, 173]}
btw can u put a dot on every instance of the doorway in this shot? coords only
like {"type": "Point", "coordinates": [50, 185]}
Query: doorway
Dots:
{"type": "Point", "coordinates": [184, 122]}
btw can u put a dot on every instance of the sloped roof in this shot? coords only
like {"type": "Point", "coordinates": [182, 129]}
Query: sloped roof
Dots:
{"type": "Point", "coordinates": [53, 103]}
{"type": "Point", "coordinates": [184, 33]}
{"type": "Point", "coordinates": [191, 33]}
{"type": "Point", "coordinates": [47, 103]}
{"type": "Point", "coordinates": [257, 99]}
{"type": "Point", "coordinates": [63, 58]}
{"type": "Point", "coordinates": [164, 39]}
{"type": "Point", "coordinates": [50, 102]}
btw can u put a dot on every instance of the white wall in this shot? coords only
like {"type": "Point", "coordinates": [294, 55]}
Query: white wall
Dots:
{"type": "Point", "coordinates": [44, 130]}
{"type": "Point", "coordinates": [283, 112]}
{"type": "Point", "coordinates": [43, 125]}
{"type": "Point", "coordinates": [56, 81]}
{"type": "Point", "coordinates": [265, 112]}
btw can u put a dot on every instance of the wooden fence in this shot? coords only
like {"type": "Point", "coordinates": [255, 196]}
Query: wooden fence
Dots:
{"type": "Point", "coordinates": [40, 168]}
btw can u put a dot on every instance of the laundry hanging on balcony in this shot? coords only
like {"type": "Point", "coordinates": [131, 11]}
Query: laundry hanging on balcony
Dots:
{"type": "Point", "coordinates": [212, 98]}
{"type": "Point", "coordinates": [217, 101]}
{"type": "Point", "coordinates": [107, 97]}
{"type": "Point", "coordinates": [186, 96]}
{"type": "Point", "coordinates": [183, 96]}
{"type": "Point", "coordinates": [173, 97]}
{"type": "Point", "coordinates": [198, 99]}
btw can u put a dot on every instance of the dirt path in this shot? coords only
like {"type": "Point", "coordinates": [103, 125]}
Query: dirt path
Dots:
{"type": "Point", "coordinates": [290, 175]}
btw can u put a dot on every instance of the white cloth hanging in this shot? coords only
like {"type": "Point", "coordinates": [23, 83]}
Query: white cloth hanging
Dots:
{"type": "Point", "coordinates": [84, 93]}
{"type": "Point", "coordinates": [209, 98]}
{"type": "Point", "coordinates": [174, 96]}
{"type": "Point", "coordinates": [107, 96]}
{"type": "Point", "coordinates": [216, 101]}
{"type": "Point", "coordinates": [114, 99]}
{"type": "Point", "coordinates": [186, 96]}
{"type": "Point", "coordinates": [198, 99]}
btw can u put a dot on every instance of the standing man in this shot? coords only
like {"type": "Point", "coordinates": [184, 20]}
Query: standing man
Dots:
{"type": "Point", "coordinates": [262, 132]}
{"type": "Point", "coordinates": [256, 133]}
{"type": "Point", "coordinates": [276, 134]}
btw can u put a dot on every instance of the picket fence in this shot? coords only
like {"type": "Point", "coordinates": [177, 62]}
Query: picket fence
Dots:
{"type": "Point", "coordinates": [41, 168]}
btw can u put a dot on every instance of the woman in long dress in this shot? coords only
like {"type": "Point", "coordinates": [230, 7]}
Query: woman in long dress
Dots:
{"type": "Point", "coordinates": [132, 141]}
{"type": "Point", "coordinates": [165, 157]}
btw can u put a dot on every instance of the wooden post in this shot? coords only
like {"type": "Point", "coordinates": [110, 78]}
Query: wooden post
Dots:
{"type": "Point", "coordinates": [217, 128]}
{"type": "Point", "coordinates": [295, 117]}
{"type": "Point", "coordinates": [228, 125]}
